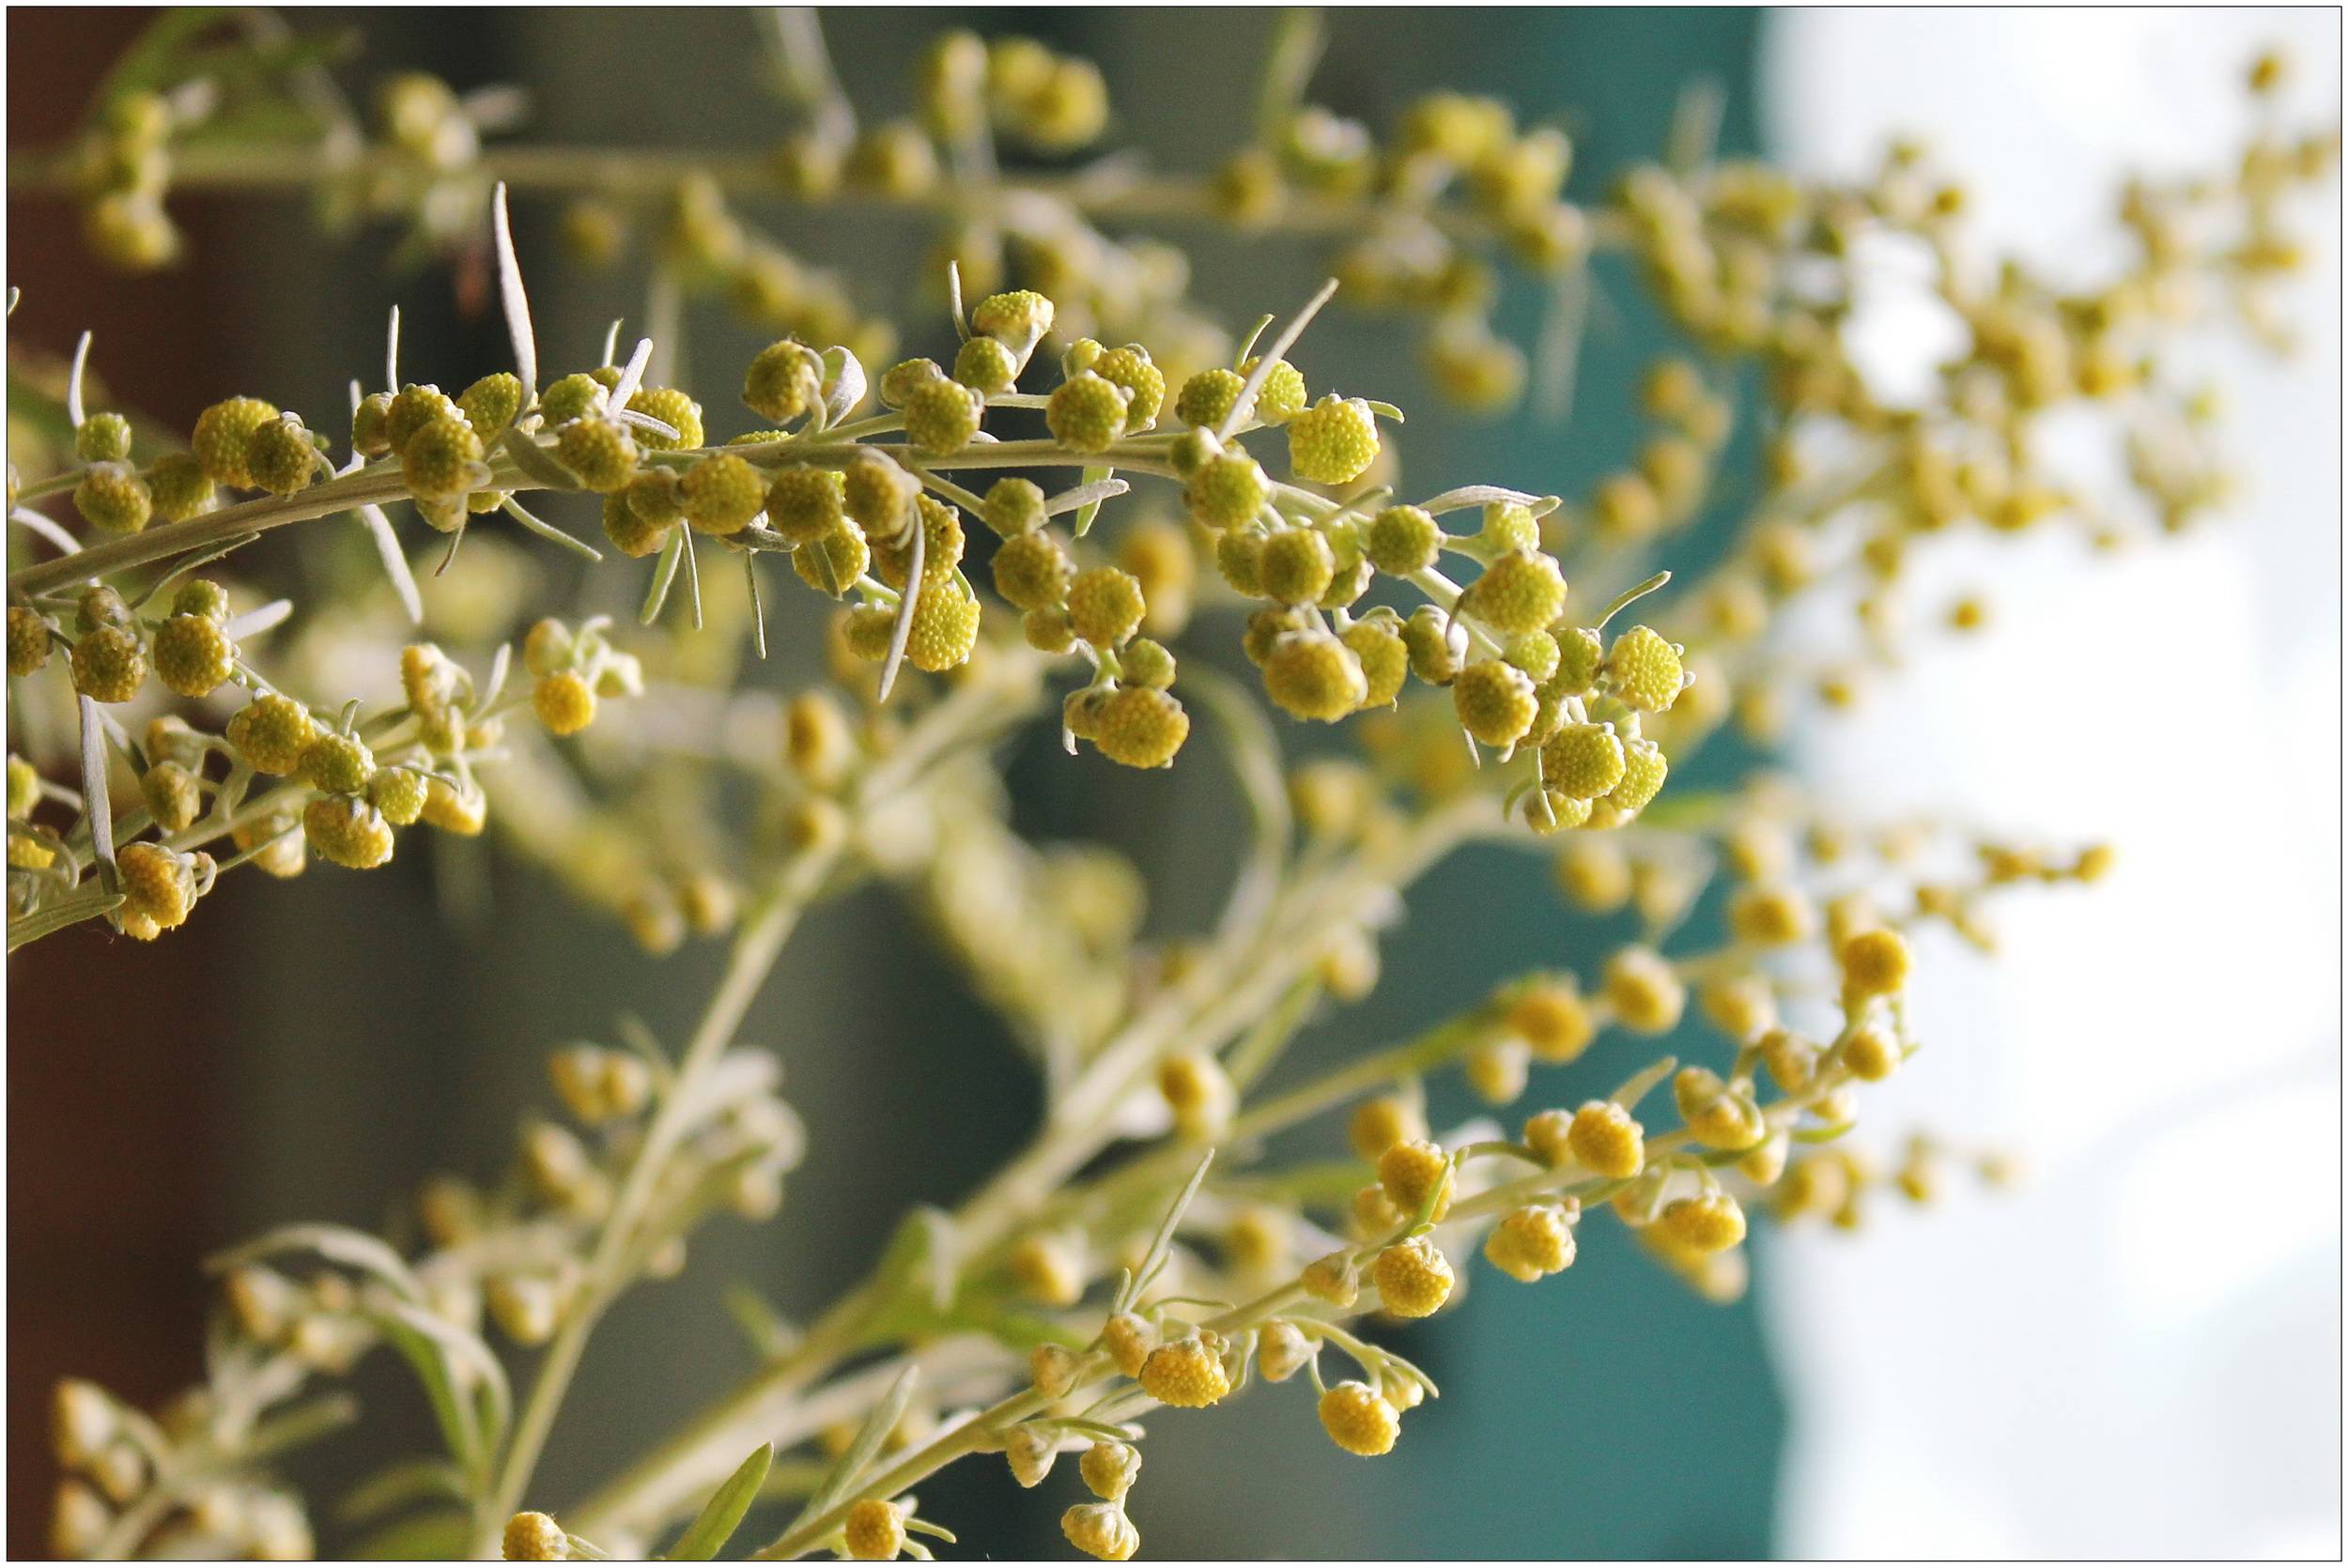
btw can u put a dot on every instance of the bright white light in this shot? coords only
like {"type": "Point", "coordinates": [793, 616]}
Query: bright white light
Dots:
{"type": "Point", "coordinates": [2139, 1354]}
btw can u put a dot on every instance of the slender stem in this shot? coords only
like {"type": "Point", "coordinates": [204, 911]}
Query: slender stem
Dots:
{"type": "Point", "coordinates": [755, 950]}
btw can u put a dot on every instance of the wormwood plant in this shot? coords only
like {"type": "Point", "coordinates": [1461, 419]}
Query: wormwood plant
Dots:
{"type": "Point", "coordinates": [1135, 482]}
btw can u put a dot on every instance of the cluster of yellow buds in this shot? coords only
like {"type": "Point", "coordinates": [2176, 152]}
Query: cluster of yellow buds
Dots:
{"type": "Point", "coordinates": [116, 1457]}
{"type": "Point", "coordinates": [122, 169]}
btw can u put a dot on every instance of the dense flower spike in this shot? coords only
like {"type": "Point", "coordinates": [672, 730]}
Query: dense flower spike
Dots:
{"type": "Point", "coordinates": [1144, 1252]}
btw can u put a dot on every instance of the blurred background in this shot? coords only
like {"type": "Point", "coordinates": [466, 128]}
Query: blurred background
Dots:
{"type": "Point", "coordinates": [2138, 1353]}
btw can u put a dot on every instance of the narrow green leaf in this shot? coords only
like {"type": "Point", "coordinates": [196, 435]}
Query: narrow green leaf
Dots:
{"type": "Point", "coordinates": [1163, 1242]}
{"type": "Point", "coordinates": [663, 574]}
{"type": "Point", "coordinates": [1094, 475]}
{"type": "Point", "coordinates": [877, 1425]}
{"type": "Point", "coordinates": [715, 1524]}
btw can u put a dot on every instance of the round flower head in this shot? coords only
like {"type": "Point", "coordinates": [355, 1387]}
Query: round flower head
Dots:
{"type": "Point", "coordinates": [1360, 1420]}
{"type": "Point", "coordinates": [1108, 1468]}
{"type": "Point", "coordinates": [1131, 369]}
{"type": "Point", "coordinates": [1147, 664]}
{"type": "Point", "coordinates": [103, 438]}
{"type": "Point", "coordinates": [272, 732]}
{"type": "Point", "coordinates": [399, 793]}
{"type": "Point", "coordinates": [280, 457]}
{"type": "Point", "coordinates": [783, 383]}
{"type": "Point", "coordinates": [878, 494]}
{"type": "Point", "coordinates": [534, 1538]}
{"type": "Point", "coordinates": [114, 499]}
{"type": "Point", "coordinates": [1312, 676]}
{"type": "Point", "coordinates": [1014, 506]}
{"type": "Point", "coordinates": [1296, 566]}
{"type": "Point", "coordinates": [337, 764]}
{"type": "Point", "coordinates": [441, 460]}
{"type": "Point", "coordinates": [108, 664]}
{"type": "Point", "coordinates": [1548, 1134]}
{"type": "Point", "coordinates": [1401, 540]}
{"type": "Point", "coordinates": [1129, 1339]}
{"type": "Point", "coordinates": [1870, 1054]}
{"type": "Point", "coordinates": [1643, 773]}
{"type": "Point", "coordinates": [220, 437]}
{"type": "Point", "coordinates": [276, 843]}
{"type": "Point", "coordinates": [601, 452]}
{"type": "Point", "coordinates": [201, 596]}
{"type": "Point", "coordinates": [1334, 441]}
{"type": "Point", "coordinates": [904, 379]}
{"type": "Point", "coordinates": [573, 396]}
{"type": "Point", "coordinates": [1643, 989]}
{"type": "Point", "coordinates": [1606, 1142]}
{"type": "Point", "coordinates": [160, 885]}
{"type": "Point", "coordinates": [672, 407]}
{"type": "Point", "coordinates": [1086, 412]}
{"type": "Point", "coordinates": [1579, 655]}
{"type": "Point", "coordinates": [832, 563]}
{"type": "Point", "coordinates": [1020, 318]}
{"type": "Point", "coordinates": [867, 630]}
{"type": "Point", "coordinates": [988, 365]}
{"type": "Point", "coordinates": [1228, 491]}
{"type": "Point", "coordinates": [1550, 1016]}
{"type": "Point", "coordinates": [1495, 702]}
{"type": "Point", "coordinates": [1413, 1278]}
{"type": "Point", "coordinates": [1583, 761]}
{"type": "Point", "coordinates": [1712, 1224]}
{"type": "Point", "coordinates": [348, 831]}
{"type": "Point", "coordinates": [1520, 592]}
{"type": "Point", "coordinates": [945, 626]}
{"type": "Point", "coordinates": [28, 641]}
{"type": "Point", "coordinates": [173, 795]}
{"type": "Point", "coordinates": [1436, 646]}
{"type": "Point", "coordinates": [1101, 1530]}
{"type": "Point", "coordinates": [1049, 1271]}
{"type": "Point", "coordinates": [874, 1531]}
{"type": "Point", "coordinates": [564, 702]}
{"type": "Point", "coordinates": [415, 407]}
{"type": "Point", "coordinates": [1645, 670]}
{"type": "Point", "coordinates": [1716, 1116]}
{"type": "Point", "coordinates": [464, 812]}
{"type": "Point", "coordinates": [1333, 1279]}
{"type": "Point", "coordinates": [632, 533]}
{"type": "Point", "coordinates": [722, 493]}
{"type": "Point", "coordinates": [1140, 728]}
{"type": "Point", "coordinates": [1506, 526]}
{"type": "Point", "coordinates": [1105, 607]}
{"type": "Point", "coordinates": [1030, 1451]}
{"type": "Point", "coordinates": [1282, 397]}
{"type": "Point", "coordinates": [490, 403]}
{"type": "Point", "coordinates": [1530, 1243]}
{"type": "Point", "coordinates": [192, 655]}
{"type": "Point", "coordinates": [1187, 1374]}
{"type": "Point", "coordinates": [1033, 572]}
{"type": "Point", "coordinates": [804, 504]}
{"type": "Point", "coordinates": [942, 416]}
{"type": "Point", "coordinates": [1206, 397]}
{"type": "Point", "coordinates": [1412, 1173]}
{"type": "Point", "coordinates": [1052, 1369]}
{"type": "Point", "coordinates": [942, 544]}
{"type": "Point", "coordinates": [1385, 659]}
{"type": "Point", "coordinates": [1381, 1124]}
{"type": "Point", "coordinates": [1874, 962]}
{"type": "Point", "coordinates": [180, 487]}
